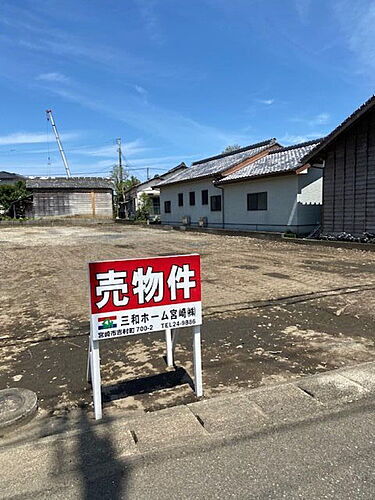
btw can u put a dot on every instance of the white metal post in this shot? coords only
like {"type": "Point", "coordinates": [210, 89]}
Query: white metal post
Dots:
{"type": "Point", "coordinates": [168, 339]}
{"type": "Point", "coordinates": [175, 339]}
{"type": "Point", "coordinates": [88, 368]}
{"type": "Point", "coordinates": [197, 361]}
{"type": "Point", "coordinates": [95, 379]}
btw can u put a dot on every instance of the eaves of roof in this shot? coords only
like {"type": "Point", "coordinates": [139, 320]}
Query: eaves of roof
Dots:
{"type": "Point", "coordinates": [220, 182]}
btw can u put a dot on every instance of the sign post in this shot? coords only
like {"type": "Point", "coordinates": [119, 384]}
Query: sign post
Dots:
{"type": "Point", "coordinates": [141, 296]}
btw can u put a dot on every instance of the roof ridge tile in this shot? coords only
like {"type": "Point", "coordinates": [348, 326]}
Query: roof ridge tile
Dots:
{"type": "Point", "coordinates": [239, 150]}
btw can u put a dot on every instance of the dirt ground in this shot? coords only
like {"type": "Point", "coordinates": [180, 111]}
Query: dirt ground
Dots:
{"type": "Point", "coordinates": [273, 310]}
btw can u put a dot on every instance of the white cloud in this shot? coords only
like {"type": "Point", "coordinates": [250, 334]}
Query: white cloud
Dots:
{"type": "Point", "coordinates": [267, 102]}
{"type": "Point", "coordinates": [357, 23]}
{"type": "Point", "coordinates": [142, 92]}
{"type": "Point", "coordinates": [131, 148]}
{"type": "Point", "coordinates": [320, 119]}
{"type": "Point", "coordinates": [53, 77]}
{"type": "Point", "coordinates": [31, 138]}
{"type": "Point", "coordinates": [289, 139]}
{"type": "Point", "coordinates": [147, 10]}
{"type": "Point", "coordinates": [169, 125]}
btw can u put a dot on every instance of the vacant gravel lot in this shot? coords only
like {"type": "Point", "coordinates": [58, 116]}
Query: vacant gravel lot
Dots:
{"type": "Point", "coordinates": [273, 310]}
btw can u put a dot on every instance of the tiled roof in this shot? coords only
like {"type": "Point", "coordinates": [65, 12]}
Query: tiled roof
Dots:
{"type": "Point", "coordinates": [10, 175]}
{"type": "Point", "coordinates": [180, 166]}
{"type": "Point", "coordinates": [366, 106]}
{"type": "Point", "coordinates": [71, 183]}
{"type": "Point", "coordinates": [278, 161]}
{"type": "Point", "coordinates": [214, 165]}
{"type": "Point", "coordinates": [157, 179]}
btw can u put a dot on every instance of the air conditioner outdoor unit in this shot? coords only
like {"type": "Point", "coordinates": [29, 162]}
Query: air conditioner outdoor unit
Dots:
{"type": "Point", "coordinates": [186, 220]}
{"type": "Point", "coordinates": [202, 222]}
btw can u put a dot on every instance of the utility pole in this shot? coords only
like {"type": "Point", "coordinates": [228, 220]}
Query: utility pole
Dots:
{"type": "Point", "coordinates": [120, 195]}
{"type": "Point", "coordinates": [59, 143]}
{"type": "Point", "coordinates": [121, 172]}
{"type": "Point", "coordinates": [148, 173]}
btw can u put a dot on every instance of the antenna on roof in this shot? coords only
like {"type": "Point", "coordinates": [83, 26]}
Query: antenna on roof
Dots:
{"type": "Point", "coordinates": [59, 143]}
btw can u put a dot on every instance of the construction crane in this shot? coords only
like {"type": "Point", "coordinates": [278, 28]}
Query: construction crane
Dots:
{"type": "Point", "coordinates": [59, 143]}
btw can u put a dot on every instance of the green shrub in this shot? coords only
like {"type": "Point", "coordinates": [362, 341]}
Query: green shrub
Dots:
{"type": "Point", "coordinates": [9, 194]}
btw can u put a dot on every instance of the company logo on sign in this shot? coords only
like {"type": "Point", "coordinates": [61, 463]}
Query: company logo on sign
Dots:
{"type": "Point", "coordinates": [109, 322]}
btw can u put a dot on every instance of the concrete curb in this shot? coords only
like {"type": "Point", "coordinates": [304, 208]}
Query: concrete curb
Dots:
{"type": "Point", "coordinates": [218, 420]}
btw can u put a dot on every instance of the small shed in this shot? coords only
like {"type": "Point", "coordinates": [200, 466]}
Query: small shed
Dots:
{"type": "Point", "coordinates": [74, 196]}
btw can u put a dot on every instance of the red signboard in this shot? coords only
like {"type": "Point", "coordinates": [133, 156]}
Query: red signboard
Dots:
{"type": "Point", "coordinates": [133, 296]}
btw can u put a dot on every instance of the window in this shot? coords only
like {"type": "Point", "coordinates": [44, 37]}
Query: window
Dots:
{"type": "Point", "coordinates": [156, 205]}
{"type": "Point", "coordinates": [192, 198]}
{"type": "Point", "coordinates": [216, 203]}
{"type": "Point", "coordinates": [180, 199]}
{"type": "Point", "coordinates": [167, 207]}
{"type": "Point", "coordinates": [257, 201]}
{"type": "Point", "coordinates": [204, 196]}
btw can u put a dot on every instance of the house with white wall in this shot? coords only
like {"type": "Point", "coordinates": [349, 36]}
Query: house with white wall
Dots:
{"type": "Point", "coordinates": [278, 192]}
{"type": "Point", "coordinates": [274, 191]}
{"type": "Point", "coordinates": [133, 196]}
{"type": "Point", "coordinates": [191, 197]}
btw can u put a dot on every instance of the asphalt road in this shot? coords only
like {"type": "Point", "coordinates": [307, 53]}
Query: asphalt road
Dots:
{"type": "Point", "coordinates": [332, 458]}
{"type": "Point", "coordinates": [329, 458]}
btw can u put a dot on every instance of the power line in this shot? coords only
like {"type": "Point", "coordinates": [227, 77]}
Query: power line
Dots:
{"type": "Point", "coordinates": [97, 172]}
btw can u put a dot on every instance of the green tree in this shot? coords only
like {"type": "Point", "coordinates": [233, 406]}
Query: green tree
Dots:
{"type": "Point", "coordinates": [131, 182]}
{"type": "Point", "coordinates": [11, 193]}
{"type": "Point", "coordinates": [144, 207]}
{"type": "Point", "coordinates": [118, 177]}
{"type": "Point", "coordinates": [231, 148]}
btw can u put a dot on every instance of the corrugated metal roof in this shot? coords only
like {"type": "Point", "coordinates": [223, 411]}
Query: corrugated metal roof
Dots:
{"type": "Point", "coordinates": [71, 183]}
{"type": "Point", "coordinates": [278, 161]}
{"type": "Point", "coordinates": [217, 164]}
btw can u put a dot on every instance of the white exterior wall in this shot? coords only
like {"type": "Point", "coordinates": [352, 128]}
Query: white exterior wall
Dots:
{"type": "Point", "coordinates": [293, 203]}
{"type": "Point", "coordinates": [281, 212]}
{"type": "Point", "coordinates": [310, 198]}
{"type": "Point", "coordinates": [170, 193]}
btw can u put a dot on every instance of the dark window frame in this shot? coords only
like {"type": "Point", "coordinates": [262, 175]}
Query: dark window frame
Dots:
{"type": "Point", "coordinates": [156, 205]}
{"type": "Point", "coordinates": [257, 201]}
{"type": "Point", "coordinates": [192, 198]}
{"type": "Point", "coordinates": [213, 199]}
{"type": "Point", "coordinates": [204, 196]}
{"type": "Point", "coordinates": [168, 204]}
{"type": "Point", "coordinates": [180, 197]}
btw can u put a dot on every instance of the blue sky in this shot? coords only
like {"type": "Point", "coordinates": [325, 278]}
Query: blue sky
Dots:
{"type": "Point", "coordinates": [177, 80]}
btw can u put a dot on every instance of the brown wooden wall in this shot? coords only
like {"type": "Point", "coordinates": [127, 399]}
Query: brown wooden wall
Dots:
{"type": "Point", "coordinates": [349, 180]}
{"type": "Point", "coordinates": [68, 202]}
